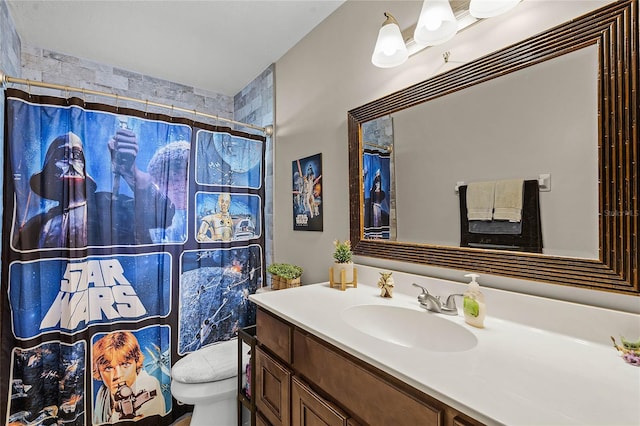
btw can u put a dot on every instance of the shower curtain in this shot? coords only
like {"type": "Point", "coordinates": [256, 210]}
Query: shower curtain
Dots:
{"type": "Point", "coordinates": [376, 166]}
{"type": "Point", "coordinates": [129, 240]}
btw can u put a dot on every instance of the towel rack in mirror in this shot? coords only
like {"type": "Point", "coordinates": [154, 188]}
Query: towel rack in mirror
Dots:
{"type": "Point", "coordinates": [544, 183]}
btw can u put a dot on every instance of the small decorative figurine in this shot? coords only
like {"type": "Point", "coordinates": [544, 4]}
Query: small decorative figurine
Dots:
{"type": "Point", "coordinates": [386, 284]}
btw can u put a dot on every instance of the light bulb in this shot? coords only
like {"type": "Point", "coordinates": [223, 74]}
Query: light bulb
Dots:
{"type": "Point", "coordinates": [436, 23]}
{"type": "Point", "coordinates": [432, 23]}
{"type": "Point", "coordinates": [490, 8]}
{"type": "Point", "coordinates": [390, 50]}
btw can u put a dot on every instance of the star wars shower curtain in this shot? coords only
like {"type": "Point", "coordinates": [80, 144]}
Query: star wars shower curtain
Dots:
{"type": "Point", "coordinates": [129, 240]}
{"type": "Point", "coordinates": [377, 193]}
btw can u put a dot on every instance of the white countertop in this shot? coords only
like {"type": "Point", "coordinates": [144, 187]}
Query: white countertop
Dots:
{"type": "Point", "coordinates": [515, 375]}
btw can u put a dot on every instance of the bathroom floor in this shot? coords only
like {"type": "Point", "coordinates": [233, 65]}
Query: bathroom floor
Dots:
{"type": "Point", "coordinates": [183, 421]}
{"type": "Point", "coordinates": [186, 419]}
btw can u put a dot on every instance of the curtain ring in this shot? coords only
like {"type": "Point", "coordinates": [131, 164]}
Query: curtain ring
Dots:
{"type": "Point", "coordinates": [117, 99]}
{"type": "Point", "coordinates": [171, 118]}
{"type": "Point", "coordinates": [146, 107]}
{"type": "Point", "coordinates": [84, 98]}
{"type": "Point", "coordinates": [29, 88]}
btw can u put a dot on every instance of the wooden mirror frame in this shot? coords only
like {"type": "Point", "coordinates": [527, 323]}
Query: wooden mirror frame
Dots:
{"type": "Point", "coordinates": [613, 29]}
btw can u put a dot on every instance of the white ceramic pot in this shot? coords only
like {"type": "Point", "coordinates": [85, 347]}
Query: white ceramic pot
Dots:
{"type": "Point", "coordinates": [348, 272]}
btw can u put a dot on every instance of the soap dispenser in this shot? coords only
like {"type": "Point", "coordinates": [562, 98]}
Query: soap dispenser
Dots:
{"type": "Point", "coordinates": [473, 303]}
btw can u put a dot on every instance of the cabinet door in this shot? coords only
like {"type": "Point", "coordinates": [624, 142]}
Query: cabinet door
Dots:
{"type": "Point", "coordinates": [310, 409]}
{"type": "Point", "coordinates": [260, 421]}
{"type": "Point", "coordinates": [374, 399]}
{"type": "Point", "coordinates": [273, 389]}
{"type": "Point", "coordinates": [274, 334]}
{"type": "Point", "coordinates": [461, 421]}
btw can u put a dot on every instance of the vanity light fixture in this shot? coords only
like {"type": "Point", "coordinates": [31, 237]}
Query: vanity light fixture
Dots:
{"type": "Point", "coordinates": [390, 50]}
{"type": "Point", "coordinates": [490, 8]}
{"type": "Point", "coordinates": [438, 23]}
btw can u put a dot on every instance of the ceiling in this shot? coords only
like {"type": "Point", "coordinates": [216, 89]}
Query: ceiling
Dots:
{"type": "Point", "coordinates": [216, 45]}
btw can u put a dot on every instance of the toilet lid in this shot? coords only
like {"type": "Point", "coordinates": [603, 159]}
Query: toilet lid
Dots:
{"type": "Point", "coordinates": [210, 363]}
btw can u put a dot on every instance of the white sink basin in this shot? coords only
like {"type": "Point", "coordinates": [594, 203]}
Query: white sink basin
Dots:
{"type": "Point", "coordinates": [410, 328]}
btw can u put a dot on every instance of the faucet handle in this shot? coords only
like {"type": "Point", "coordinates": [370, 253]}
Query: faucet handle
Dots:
{"type": "Point", "coordinates": [424, 290]}
{"type": "Point", "coordinates": [422, 297]}
{"type": "Point", "coordinates": [450, 303]}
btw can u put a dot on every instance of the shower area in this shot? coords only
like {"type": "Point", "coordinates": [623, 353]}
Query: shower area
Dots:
{"type": "Point", "coordinates": [124, 226]}
{"type": "Point", "coordinates": [378, 177]}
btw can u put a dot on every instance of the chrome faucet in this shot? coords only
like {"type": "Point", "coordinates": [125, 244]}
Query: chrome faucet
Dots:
{"type": "Point", "coordinates": [428, 301]}
{"type": "Point", "coordinates": [434, 304]}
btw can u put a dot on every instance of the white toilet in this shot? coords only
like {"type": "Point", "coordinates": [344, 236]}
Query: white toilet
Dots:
{"type": "Point", "coordinates": [208, 380]}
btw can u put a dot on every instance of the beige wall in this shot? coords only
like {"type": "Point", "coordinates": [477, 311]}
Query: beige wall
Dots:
{"type": "Point", "coordinates": [329, 72]}
{"type": "Point", "coordinates": [541, 119]}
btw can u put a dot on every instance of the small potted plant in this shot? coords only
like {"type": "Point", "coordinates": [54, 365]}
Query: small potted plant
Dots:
{"type": "Point", "coordinates": [284, 275]}
{"type": "Point", "coordinates": [342, 256]}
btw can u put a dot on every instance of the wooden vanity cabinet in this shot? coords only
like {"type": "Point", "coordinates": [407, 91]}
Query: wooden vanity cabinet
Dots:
{"type": "Point", "coordinates": [322, 385]}
{"type": "Point", "coordinates": [310, 409]}
{"type": "Point", "coordinates": [273, 389]}
{"type": "Point", "coordinates": [260, 421]}
{"type": "Point", "coordinates": [275, 334]}
{"type": "Point", "coordinates": [460, 421]}
{"type": "Point", "coordinates": [372, 398]}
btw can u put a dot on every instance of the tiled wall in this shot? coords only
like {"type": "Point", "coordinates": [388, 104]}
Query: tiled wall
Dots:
{"type": "Point", "coordinates": [10, 65]}
{"type": "Point", "coordinates": [255, 104]}
{"type": "Point", "coordinates": [53, 67]}
{"type": "Point", "coordinates": [9, 43]}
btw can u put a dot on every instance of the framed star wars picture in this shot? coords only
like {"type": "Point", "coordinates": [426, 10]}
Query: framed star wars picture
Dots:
{"type": "Point", "coordinates": [307, 193]}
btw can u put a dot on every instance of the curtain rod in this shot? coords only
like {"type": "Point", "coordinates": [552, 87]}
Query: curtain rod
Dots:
{"type": "Point", "coordinates": [268, 130]}
{"type": "Point", "coordinates": [383, 147]}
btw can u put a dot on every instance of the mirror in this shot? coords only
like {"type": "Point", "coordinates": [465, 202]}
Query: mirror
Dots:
{"type": "Point", "coordinates": [603, 251]}
{"type": "Point", "coordinates": [535, 121]}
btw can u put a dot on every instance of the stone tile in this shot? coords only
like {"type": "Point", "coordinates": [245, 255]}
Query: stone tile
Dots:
{"type": "Point", "coordinates": [77, 73]}
{"type": "Point", "coordinates": [67, 59]}
{"type": "Point", "coordinates": [45, 65]}
{"type": "Point", "coordinates": [31, 75]}
{"type": "Point", "coordinates": [95, 66]}
{"type": "Point", "coordinates": [154, 81]}
{"type": "Point", "coordinates": [10, 61]}
{"type": "Point", "coordinates": [10, 46]}
{"type": "Point", "coordinates": [31, 50]}
{"type": "Point", "coordinates": [128, 74]}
